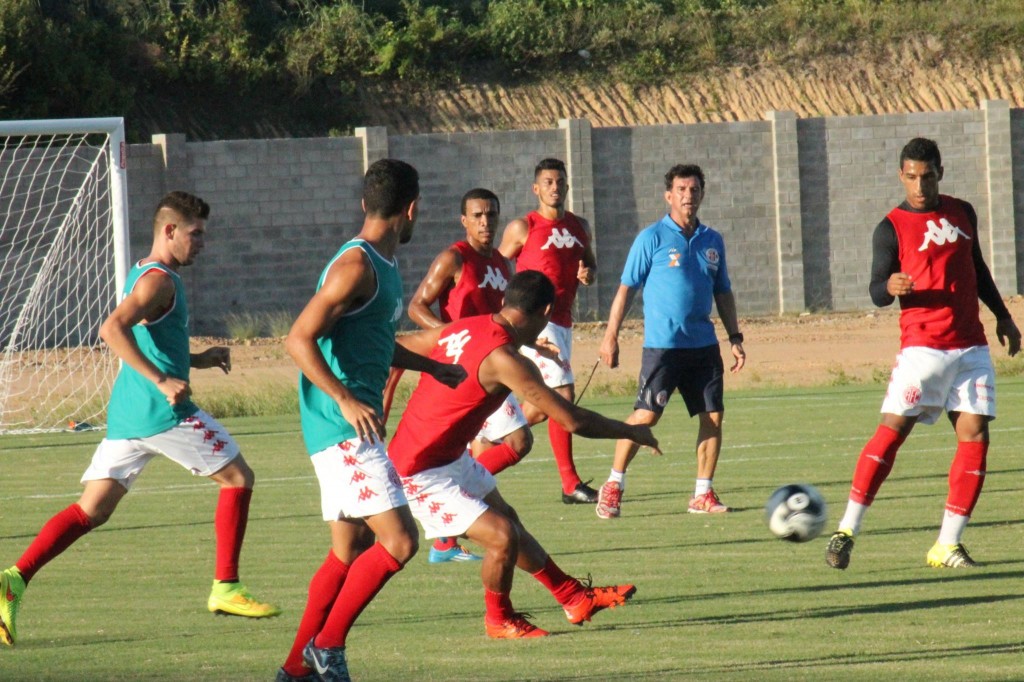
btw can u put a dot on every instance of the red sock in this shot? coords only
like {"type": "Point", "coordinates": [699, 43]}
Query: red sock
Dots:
{"type": "Point", "coordinates": [367, 575]}
{"type": "Point", "coordinates": [966, 477]}
{"type": "Point", "coordinates": [444, 544]}
{"type": "Point", "coordinates": [56, 535]}
{"type": "Point", "coordinates": [323, 590]}
{"type": "Point", "coordinates": [561, 446]}
{"type": "Point", "coordinates": [874, 464]}
{"type": "Point", "coordinates": [498, 458]}
{"type": "Point", "coordinates": [230, 522]}
{"type": "Point", "coordinates": [565, 588]}
{"type": "Point", "coordinates": [498, 605]}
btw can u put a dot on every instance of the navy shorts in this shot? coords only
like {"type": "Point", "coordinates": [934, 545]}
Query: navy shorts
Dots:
{"type": "Point", "coordinates": [697, 373]}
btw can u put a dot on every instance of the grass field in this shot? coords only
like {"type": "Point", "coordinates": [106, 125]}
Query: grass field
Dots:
{"type": "Point", "coordinates": [718, 598]}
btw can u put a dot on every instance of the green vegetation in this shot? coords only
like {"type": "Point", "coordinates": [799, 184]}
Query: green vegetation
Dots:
{"type": "Point", "coordinates": [187, 64]}
{"type": "Point", "coordinates": [718, 598]}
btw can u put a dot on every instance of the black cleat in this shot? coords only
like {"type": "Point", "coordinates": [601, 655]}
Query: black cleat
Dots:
{"type": "Point", "coordinates": [840, 546]}
{"type": "Point", "coordinates": [582, 494]}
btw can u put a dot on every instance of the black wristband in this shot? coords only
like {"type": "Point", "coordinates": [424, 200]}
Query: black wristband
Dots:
{"type": "Point", "coordinates": [736, 338]}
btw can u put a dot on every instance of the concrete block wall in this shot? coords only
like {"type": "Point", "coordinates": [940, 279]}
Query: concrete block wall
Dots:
{"type": "Point", "coordinates": [796, 199]}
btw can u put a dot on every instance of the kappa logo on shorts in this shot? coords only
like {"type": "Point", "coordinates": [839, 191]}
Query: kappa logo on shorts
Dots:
{"type": "Point", "coordinates": [357, 476]}
{"type": "Point", "coordinates": [509, 410]}
{"type": "Point", "coordinates": [350, 460]}
{"type": "Point", "coordinates": [563, 239]}
{"type": "Point", "coordinates": [209, 435]}
{"type": "Point", "coordinates": [219, 445]}
{"type": "Point", "coordinates": [434, 507]}
{"type": "Point", "coordinates": [447, 518]}
{"type": "Point", "coordinates": [912, 395]}
{"type": "Point", "coordinates": [366, 493]}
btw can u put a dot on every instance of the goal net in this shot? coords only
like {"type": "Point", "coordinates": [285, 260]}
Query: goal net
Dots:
{"type": "Point", "coordinates": [63, 260]}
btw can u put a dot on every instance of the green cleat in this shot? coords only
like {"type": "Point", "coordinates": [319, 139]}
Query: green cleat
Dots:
{"type": "Point", "coordinates": [12, 587]}
{"type": "Point", "coordinates": [950, 556]}
{"type": "Point", "coordinates": [233, 599]}
{"type": "Point", "coordinates": [840, 546]}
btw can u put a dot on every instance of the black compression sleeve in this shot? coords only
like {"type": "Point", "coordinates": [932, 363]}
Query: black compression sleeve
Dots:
{"type": "Point", "coordinates": [884, 262]}
{"type": "Point", "coordinates": [987, 290]}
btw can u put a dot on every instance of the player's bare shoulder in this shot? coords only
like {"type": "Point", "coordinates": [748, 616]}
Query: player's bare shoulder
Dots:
{"type": "Point", "coordinates": [514, 238]}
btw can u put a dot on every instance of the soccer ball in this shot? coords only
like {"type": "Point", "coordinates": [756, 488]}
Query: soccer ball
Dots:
{"type": "Point", "coordinates": [796, 512]}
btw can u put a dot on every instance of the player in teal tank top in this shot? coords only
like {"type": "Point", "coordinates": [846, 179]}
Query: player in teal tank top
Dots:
{"type": "Point", "coordinates": [344, 344]}
{"type": "Point", "coordinates": [150, 414]}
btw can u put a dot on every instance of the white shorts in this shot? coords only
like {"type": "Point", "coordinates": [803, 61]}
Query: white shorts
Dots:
{"type": "Point", "coordinates": [356, 480]}
{"type": "Point", "coordinates": [198, 443]}
{"type": "Point", "coordinates": [926, 381]}
{"type": "Point", "coordinates": [506, 419]}
{"type": "Point", "coordinates": [555, 373]}
{"type": "Point", "coordinates": [447, 500]}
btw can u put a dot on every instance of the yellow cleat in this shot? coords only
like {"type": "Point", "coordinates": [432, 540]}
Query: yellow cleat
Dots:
{"type": "Point", "coordinates": [12, 587]}
{"type": "Point", "coordinates": [233, 599]}
{"type": "Point", "coordinates": [950, 556]}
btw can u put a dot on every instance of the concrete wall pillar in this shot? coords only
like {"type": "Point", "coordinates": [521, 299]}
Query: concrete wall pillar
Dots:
{"type": "Point", "coordinates": [375, 144]}
{"type": "Point", "coordinates": [1000, 247]}
{"type": "Point", "coordinates": [579, 163]}
{"type": "Point", "coordinates": [788, 223]}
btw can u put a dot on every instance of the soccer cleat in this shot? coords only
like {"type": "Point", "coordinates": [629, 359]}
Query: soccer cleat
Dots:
{"type": "Point", "coordinates": [581, 494]}
{"type": "Point", "coordinates": [516, 627]}
{"type": "Point", "coordinates": [456, 553]}
{"type": "Point", "coordinates": [596, 599]}
{"type": "Point", "coordinates": [708, 503]}
{"type": "Point", "coordinates": [840, 546]}
{"type": "Point", "coordinates": [950, 556]}
{"type": "Point", "coordinates": [609, 501]}
{"type": "Point", "coordinates": [328, 663]}
{"type": "Point", "coordinates": [284, 676]}
{"type": "Point", "coordinates": [233, 599]}
{"type": "Point", "coordinates": [12, 587]}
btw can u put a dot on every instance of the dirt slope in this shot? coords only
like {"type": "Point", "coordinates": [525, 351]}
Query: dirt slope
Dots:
{"type": "Point", "coordinates": [916, 76]}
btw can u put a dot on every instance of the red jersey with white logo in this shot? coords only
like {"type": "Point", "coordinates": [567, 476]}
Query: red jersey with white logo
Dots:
{"type": "Point", "coordinates": [481, 286]}
{"type": "Point", "coordinates": [935, 249]}
{"type": "Point", "coordinates": [555, 247]}
{"type": "Point", "coordinates": [438, 420]}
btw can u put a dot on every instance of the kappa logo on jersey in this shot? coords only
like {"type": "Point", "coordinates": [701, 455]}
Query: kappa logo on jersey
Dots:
{"type": "Point", "coordinates": [561, 239]}
{"type": "Point", "coordinates": [941, 233]}
{"type": "Point", "coordinates": [494, 279]}
{"type": "Point", "coordinates": [397, 315]}
{"type": "Point", "coordinates": [454, 344]}
{"type": "Point", "coordinates": [673, 258]}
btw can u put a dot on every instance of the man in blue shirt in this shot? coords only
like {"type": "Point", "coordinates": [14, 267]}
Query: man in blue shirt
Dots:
{"type": "Point", "coordinates": [680, 263]}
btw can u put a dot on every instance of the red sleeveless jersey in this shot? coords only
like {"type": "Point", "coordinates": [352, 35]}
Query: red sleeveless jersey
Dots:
{"type": "Point", "coordinates": [439, 421]}
{"type": "Point", "coordinates": [481, 286]}
{"type": "Point", "coordinates": [935, 249]}
{"type": "Point", "coordinates": [555, 247]}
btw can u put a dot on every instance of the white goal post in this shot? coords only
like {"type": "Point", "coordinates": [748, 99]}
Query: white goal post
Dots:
{"type": "Point", "coordinates": [63, 261]}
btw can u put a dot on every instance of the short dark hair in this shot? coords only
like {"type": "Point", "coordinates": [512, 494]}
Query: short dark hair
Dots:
{"type": "Point", "coordinates": [921, 149]}
{"type": "Point", "coordinates": [530, 291]}
{"type": "Point", "coordinates": [188, 206]}
{"type": "Point", "coordinates": [389, 186]}
{"type": "Point", "coordinates": [549, 164]}
{"type": "Point", "coordinates": [684, 170]}
{"type": "Point", "coordinates": [479, 193]}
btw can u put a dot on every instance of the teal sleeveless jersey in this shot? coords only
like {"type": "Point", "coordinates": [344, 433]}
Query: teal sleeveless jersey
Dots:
{"type": "Point", "coordinates": [358, 349]}
{"type": "Point", "coordinates": [137, 407]}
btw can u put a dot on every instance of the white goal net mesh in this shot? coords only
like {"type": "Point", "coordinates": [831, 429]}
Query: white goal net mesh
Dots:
{"type": "Point", "coordinates": [57, 279]}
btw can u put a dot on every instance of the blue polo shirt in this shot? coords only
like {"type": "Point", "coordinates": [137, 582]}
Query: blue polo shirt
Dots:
{"type": "Point", "coordinates": [680, 278]}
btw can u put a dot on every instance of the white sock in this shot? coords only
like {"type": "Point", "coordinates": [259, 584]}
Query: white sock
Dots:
{"type": "Point", "coordinates": [618, 477]}
{"type": "Point", "coordinates": [855, 512]}
{"type": "Point", "coordinates": [703, 485]}
{"type": "Point", "coordinates": [952, 528]}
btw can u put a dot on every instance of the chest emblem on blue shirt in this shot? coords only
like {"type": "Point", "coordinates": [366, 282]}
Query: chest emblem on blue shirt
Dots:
{"type": "Point", "coordinates": [673, 258]}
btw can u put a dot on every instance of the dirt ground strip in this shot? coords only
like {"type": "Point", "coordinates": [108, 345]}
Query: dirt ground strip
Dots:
{"type": "Point", "coordinates": [789, 350]}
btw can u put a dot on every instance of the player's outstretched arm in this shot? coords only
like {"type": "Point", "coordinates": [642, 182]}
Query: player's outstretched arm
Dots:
{"type": "Point", "coordinates": [348, 283]}
{"type": "Point", "coordinates": [440, 276]}
{"type": "Point", "coordinates": [514, 238]}
{"type": "Point", "coordinates": [449, 375]}
{"type": "Point", "coordinates": [508, 368]}
{"type": "Point", "coordinates": [152, 295]}
{"type": "Point", "coordinates": [609, 350]}
{"type": "Point", "coordinates": [215, 356]}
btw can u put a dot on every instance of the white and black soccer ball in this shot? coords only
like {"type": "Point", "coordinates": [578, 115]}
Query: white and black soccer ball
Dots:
{"type": "Point", "coordinates": [796, 512]}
